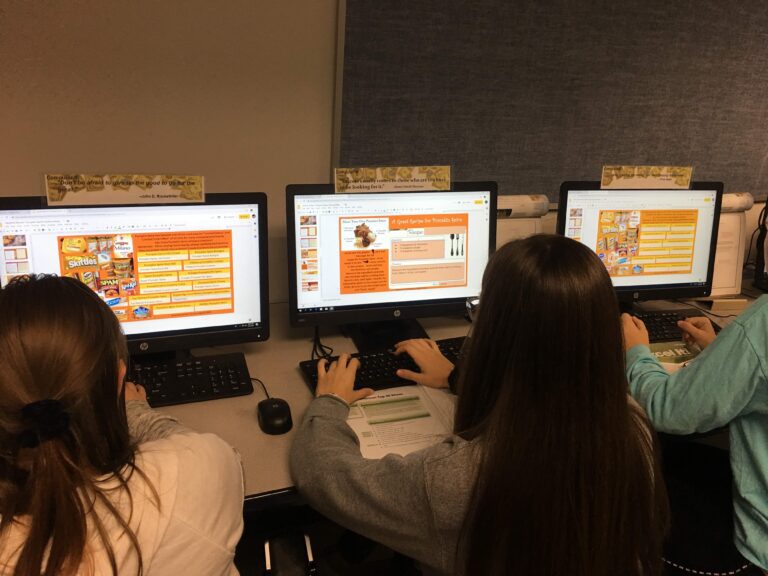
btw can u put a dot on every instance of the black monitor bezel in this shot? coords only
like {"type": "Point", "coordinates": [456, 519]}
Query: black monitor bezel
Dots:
{"type": "Point", "coordinates": [661, 291]}
{"type": "Point", "coordinates": [367, 312]}
{"type": "Point", "coordinates": [180, 340]}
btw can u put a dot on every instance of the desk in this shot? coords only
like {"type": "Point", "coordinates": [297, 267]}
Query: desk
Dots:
{"type": "Point", "coordinates": [276, 363]}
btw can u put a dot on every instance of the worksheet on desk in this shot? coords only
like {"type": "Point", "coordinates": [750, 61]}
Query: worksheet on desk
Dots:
{"type": "Point", "coordinates": [401, 420]}
{"type": "Point", "coordinates": [674, 355]}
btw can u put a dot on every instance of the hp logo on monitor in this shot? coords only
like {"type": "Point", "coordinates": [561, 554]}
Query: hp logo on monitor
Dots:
{"type": "Point", "coordinates": [397, 313]}
{"type": "Point", "coordinates": [144, 346]}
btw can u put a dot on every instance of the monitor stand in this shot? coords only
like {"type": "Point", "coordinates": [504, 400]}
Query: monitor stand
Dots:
{"type": "Point", "coordinates": [181, 355]}
{"type": "Point", "coordinates": [376, 336]}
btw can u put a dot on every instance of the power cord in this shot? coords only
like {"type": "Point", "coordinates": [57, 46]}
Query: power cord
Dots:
{"type": "Point", "coordinates": [760, 219]}
{"type": "Point", "coordinates": [747, 263]}
{"type": "Point", "coordinates": [320, 350]}
{"type": "Point", "coordinates": [262, 385]}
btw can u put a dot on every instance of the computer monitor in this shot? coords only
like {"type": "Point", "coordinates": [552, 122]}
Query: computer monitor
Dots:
{"type": "Point", "coordinates": [177, 276]}
{"type": "Point", "coordinates": [656, 244]}
{"type": "Point", "coordinates": [371, 260]}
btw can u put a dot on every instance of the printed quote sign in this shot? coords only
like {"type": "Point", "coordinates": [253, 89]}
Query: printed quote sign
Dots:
{"type": "Point", "coordinates": [95, 189]}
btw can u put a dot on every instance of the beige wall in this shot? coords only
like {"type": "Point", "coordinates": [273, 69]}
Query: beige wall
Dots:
{"type": "Point", "coordinates": [240, 91]}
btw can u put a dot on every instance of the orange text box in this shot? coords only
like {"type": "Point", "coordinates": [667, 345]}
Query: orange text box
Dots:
{"type": "Point", "coordinates": [364, 271]}
{"type": "Point", "coordinates": [669, 217]}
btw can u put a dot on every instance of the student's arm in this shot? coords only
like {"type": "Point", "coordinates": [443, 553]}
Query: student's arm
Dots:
{"type": "Point", "coordinates": [385, 500]}
{"type": "Point", "coordinates": [716, 387]}
{"type": "Point", "coordinates": [146, 424]}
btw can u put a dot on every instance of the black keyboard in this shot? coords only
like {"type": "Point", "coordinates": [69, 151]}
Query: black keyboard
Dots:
{"type": "Point", "coordinates": [377, 369]}
{"type": "Point", "coordinates": [662, 326]}
{"type": "Point", "coordinates": [194, 379]}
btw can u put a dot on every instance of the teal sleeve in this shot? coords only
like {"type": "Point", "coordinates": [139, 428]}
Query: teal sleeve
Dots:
{"type": "Point", "coordinates": [713, 389]}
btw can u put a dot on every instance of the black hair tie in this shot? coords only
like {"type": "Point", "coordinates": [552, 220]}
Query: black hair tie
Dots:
{"type": "Point", "coordinates": [46, 419]}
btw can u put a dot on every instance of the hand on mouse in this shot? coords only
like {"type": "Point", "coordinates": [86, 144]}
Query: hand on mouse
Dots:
{"type": "Point", "coordinates": [339, 379]}
{"type": "Point", "coordinates": [435, 368]}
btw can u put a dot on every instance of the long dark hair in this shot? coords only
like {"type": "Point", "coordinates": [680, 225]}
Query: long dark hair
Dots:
{"type": "Point", "coordinates": [59, 341]}
{"type": "Point", "coordinates": [568, 481]}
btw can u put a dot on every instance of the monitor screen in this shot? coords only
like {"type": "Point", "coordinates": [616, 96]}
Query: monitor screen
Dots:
{"type": "Point", "coordinates": [380, 256]}
{"type": "Point", "coordinates": [176, 276]}
{"type": "Point", "coordinates": [654, 243]}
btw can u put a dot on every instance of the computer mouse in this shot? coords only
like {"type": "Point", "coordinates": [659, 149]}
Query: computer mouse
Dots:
{"type": "Point", "coordinates": [274, 416]}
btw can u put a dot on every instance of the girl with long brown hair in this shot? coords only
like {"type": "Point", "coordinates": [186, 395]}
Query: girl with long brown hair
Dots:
{"type": "Point", "coordinates": [551, 469]}
{"type": "Point", "coordinates": [92, 480]}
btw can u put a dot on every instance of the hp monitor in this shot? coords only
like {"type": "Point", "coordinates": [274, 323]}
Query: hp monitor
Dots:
{"type": "Point", "coordinates": [655, 244]}
{"type": "Point", "coordinates": [177, 276]}
{"type": "Point", "coordinates": [372, 260]}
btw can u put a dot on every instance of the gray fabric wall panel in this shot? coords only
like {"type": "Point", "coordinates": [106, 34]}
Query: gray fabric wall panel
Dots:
{"type": "Point", "coordinates": [534, 93]}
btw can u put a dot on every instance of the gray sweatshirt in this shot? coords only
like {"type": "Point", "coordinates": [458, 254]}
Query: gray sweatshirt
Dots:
{"type": "Point", "coordinates": [146, 424]}
{"type": "Point", "coordinates": [414, 504]}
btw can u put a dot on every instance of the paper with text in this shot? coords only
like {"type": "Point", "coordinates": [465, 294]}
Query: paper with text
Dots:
{"type": "Point", "coordinates": [401, 420]}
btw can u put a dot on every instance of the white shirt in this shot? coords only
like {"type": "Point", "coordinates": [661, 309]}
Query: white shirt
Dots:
{"type": "Point", "coordinates": [199, 481]}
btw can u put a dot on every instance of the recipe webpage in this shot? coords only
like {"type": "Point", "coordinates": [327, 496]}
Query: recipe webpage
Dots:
{"type": "Point", "coordinates": [356, 249]}
{"type": "Point", "coordinates": [645, 237]}
{"type": "Point", "coordinates": [159, 268]}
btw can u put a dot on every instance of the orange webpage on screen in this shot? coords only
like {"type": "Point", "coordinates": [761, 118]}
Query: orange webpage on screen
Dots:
{"type": "Point", "coordinates": [380, 254]}
{"type": "Point", "coordinates": [646, 242]}
{"type": "Point", "coordinates": [154, 275]}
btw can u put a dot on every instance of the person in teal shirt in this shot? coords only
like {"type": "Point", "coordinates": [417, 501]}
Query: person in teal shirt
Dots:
{"type": "Point", "coordinates": [727, 384]}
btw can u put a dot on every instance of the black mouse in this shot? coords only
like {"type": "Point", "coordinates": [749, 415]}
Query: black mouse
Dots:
{"type": "Point", "coordinates": [274, 416]}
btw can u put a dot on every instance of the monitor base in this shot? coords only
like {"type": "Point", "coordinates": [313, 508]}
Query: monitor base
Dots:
{"type": "Point", "coordinates": [180, 355]}
{"type": "Point", "coordinates": [374, 336]}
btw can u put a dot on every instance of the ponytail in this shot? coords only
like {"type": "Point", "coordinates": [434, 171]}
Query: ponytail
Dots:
{"type": "Point", "coordinates": [63, 428]}
{"type": "Point", "coordinates": [57, 526]}
{"type": "Point", "coordinates": [57, 495]}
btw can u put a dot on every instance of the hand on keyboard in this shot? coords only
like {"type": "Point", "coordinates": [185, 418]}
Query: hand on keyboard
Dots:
{"type": "Point", "coordinates": [634, 331]}
{"type": "Point", "coordinates": [338, 379]}
{"type": "Point", "coordinates": [379, 369]}
{"type": "Point", "coordinates": [134, 392]}
{"type": "Point", "coordinates": [434, 368]}
{"type": "Point", "coordinates": [697, 330]}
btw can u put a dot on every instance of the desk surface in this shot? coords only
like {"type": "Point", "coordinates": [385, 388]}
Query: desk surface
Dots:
{"type": "Point", "coordinates": [275, 362]}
